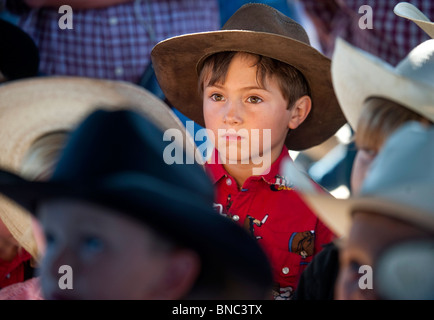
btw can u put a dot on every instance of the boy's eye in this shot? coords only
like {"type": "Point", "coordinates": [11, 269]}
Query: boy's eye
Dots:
{"type": "Point", "coordinates": [254, 99]}
{"type": "Point", "coordinates": [49, 239]}
{"type": "Point", "coordinates": [93, 244]}
{"type": "Point", "coordinates": [354, 266]}
{"type": "Point", "coordinates": [367, 155]}
{"type": "Point", "coordinates": [217, 97]}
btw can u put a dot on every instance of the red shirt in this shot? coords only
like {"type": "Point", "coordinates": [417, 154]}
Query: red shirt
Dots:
{"type": "Point", "coordinates": [269, 208]}
{"type": "Point", "coordinates": [13, 271]}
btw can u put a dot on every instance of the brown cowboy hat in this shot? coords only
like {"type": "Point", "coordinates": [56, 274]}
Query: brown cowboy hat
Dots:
{"type": "Point", "coordinates": [258, 29]}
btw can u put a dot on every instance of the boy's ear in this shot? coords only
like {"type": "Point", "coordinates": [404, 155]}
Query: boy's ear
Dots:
{"type": "Point", "coordinates": [300, 111]}
{"type": "Point", "coordinates": [181, 275]}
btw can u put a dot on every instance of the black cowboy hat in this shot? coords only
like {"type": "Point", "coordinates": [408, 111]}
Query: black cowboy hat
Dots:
{"type": "Point", "coordinates": [19, 55]}
{"type": "Point", "coordinates": [116, 159]}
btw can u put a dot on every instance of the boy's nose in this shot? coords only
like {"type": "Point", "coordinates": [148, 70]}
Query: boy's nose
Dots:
{"type": "Point", "coordinates": [232, 114]}
{"type": "Point", "coordinates": [55, 259]}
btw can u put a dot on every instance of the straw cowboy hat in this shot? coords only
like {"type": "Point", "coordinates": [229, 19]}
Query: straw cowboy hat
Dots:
{"type": "Point", "coordinates": [358, 75]}
{"type": "Point", "coordinates": [31, 108]}
{"type": "Point", "coordinates": [410, 12]}
{"type": "Point", "coordinates": [258, 29]}
{"type": "Point", "coordinates": [400, 184]}
{"type": "Point", "coordinates": [116, 159]}
{"type": "Point", "coordinates": [34, 107]}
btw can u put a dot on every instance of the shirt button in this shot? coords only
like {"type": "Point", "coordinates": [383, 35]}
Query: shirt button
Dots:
{"type": "Point", "coordinates": [8, 276]}
{"type": "Point", "coordinates": [119, 71]}
{"type": "Point", "coordinates": [236, 218]}
{"type": "Point", "coordinates": [113, 21]}
{"type": "Point", "coordinates": [285, 270]}
{"type": "Point", "coordinates": [228, 181]}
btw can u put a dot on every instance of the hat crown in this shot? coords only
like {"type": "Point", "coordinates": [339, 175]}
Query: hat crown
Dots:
{"type": "Point", "coordinates": [109, 143]}
{"type": "Point", "coordinates": [419, 64]}
{"type": "Point", "coordinates": [403, 172]}
{"type": "Point", "coordinates": [262, 18]}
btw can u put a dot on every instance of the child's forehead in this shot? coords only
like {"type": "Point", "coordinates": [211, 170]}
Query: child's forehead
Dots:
{"type": "Point", "coordinates": [80, 211]}
{"type": "Point", "coordinates": [81, 214]}
{"type": "Point", "coordinates": [246, 64]}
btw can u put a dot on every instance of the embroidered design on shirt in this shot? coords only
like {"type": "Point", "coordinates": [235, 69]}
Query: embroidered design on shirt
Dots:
{"type": "Point", "coordinates": [280, 293]}
{"type": "Point", "coordinates": [228, 203]}
{"type": "Point", "coordinates": [281, 184]}
{"type": "Point", "coordinates": [302, 243]}
{"type": "Point", "coordinates": [250, 223]}
{"type": "Point", "coordinates": [218, 208]}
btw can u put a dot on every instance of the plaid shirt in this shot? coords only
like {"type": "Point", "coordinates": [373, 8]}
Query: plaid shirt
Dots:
{"type": "Point", "coordinates": [114, 42]}
{"type": "Point", "coordinates": [391, 38]}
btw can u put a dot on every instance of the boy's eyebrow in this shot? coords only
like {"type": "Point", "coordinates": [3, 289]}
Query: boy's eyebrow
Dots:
{"type": "Point", "coordinates": [243, 88]}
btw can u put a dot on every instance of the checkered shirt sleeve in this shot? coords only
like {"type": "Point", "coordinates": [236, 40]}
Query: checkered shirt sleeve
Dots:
{"type": "Point", "coordinates": [114, 42]}
{"type": "Point", "coordinates": [391, 38]}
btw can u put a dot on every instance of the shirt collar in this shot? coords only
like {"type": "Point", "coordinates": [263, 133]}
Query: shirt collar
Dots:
{"type": "Point", "coordinates": [276, 167]}
{"type": "Point", "coordinates": [216, 170]}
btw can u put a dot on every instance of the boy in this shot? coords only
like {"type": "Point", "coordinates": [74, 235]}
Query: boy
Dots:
{"type": "Point", "coordinates": [261, 82]}
{"type": "Point", "coordinates": [129, 226]}
{"type": "Point", "coordinates": [388, 228]}
{"type": "Point", "coordinates": [375, 109]}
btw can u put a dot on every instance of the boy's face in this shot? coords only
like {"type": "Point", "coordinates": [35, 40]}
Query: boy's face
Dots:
{"type": "Point", "coordinates": [235, 108]}
{"type": "Point", "coordinates": [8, 244]}
{"type": "Point", "coordinates": [371, 234]}
{"type": "Point", "coordinates": [361, 165]}
{"type": "Point", "coordinates": [110, 255]}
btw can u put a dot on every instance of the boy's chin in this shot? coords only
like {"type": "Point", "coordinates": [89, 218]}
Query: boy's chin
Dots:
{"type": "Point", "coordinates": [254, 161]}
{"type": "Point", "coordinates": [230, 155]}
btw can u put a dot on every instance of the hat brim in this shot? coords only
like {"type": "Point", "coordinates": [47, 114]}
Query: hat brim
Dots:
{"type": "Point", "coordinates": [337, 213]}
{"type": "Point", "coordinates": [358, 75]}
{"type": "Point", "coordinates": [19, 224]}
{"type": "Point", "coordinates": [19, 55]}
{"type": "Point", "coordinates": [176, 61]}
{"type": "Point", "coordinates": [176, 213]}
{"type": "Point", "coordinates": [408, 11]}
{"type": "Point", "coordinates": [33, 107]}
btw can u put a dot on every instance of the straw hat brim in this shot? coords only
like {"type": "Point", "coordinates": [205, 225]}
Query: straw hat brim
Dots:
{"type": "Point", "coordinates": [408, 11]}
{"type": "Point", "coordinates": [33, 107]}
{"type": "Point", "coordinates": [337, 213]}
{"type": "Point", "coordinates": [177, 60]}
{"type": "Point", "coordinates": [19, 224]}
{"type": "Point", "coordinates": [358, 75]}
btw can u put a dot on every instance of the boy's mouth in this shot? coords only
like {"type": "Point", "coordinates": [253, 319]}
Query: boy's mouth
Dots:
{"type": "Point", "coordinates": [232, 137]}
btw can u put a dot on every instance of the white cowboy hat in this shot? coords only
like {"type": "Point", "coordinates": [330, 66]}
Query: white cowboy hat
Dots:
{"type": "Point", "coordinates": [400, 184]}
{"type": "Point", "coordinates": [33, 107]}
{"type": "Point", "coordinates": [410, 12]}
{"type": "Point", "coordinates": [358, 75]}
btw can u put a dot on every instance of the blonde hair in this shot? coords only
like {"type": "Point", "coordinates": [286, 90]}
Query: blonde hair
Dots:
{"type": "Point", "coordinates": [41, 158]}
{"type": "Point", "coordinates": [380, 118]}
{"type": "Point", "coordinates": [38, 165]}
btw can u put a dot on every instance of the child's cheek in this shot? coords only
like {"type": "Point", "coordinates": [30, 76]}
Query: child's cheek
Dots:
{"type": "Point", "coordinates": [38, 233]}
{"type": "Point", "coordinates": [4, 231]}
